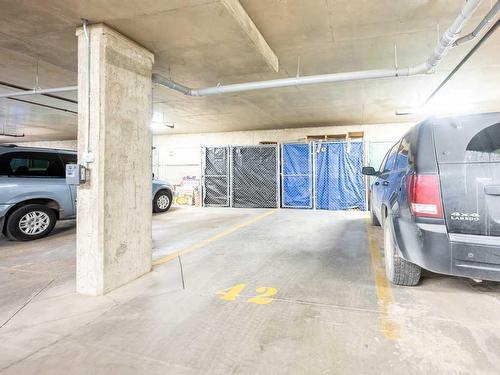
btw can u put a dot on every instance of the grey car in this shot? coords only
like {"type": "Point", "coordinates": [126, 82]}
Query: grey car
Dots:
{"type": "Point", "coordinates": [34, 193]}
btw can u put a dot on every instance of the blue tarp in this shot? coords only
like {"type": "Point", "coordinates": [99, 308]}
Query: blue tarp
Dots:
{"type": "Point", "coordinates": [297, 175]}
{"type": "Point", "coordinates": [339, 182]}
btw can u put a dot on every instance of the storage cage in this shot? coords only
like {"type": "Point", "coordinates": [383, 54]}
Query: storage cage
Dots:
{"type": "Point", "coordinates": [296, 175]}
{"type": "Point", "coordinates": [255, 176]}
{"type": "Point", "coordinates": [338, 182]}
{"type": "Point", "coordinates": [320, 175]}
{"type": "Point", "coordinates": [215, 176]}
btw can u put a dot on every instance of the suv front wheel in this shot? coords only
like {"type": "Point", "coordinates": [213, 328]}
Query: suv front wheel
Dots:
{"type": "Point", "coordinates": [30, 222]}
{"type": "Point", "coordinates": [398, 270]}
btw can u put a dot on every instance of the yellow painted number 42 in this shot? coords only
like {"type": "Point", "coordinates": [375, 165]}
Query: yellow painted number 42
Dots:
{"type": "Point", "coordinates": [263, 298]}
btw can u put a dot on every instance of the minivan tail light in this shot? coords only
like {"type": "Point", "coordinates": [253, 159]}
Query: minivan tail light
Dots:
{"type": "Point", "coordinates": [424, 196]}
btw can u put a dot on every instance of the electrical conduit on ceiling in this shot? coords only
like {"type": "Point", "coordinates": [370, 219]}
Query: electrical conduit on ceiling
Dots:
{"type": "Point", "coordinates": [39, 91]}
{"type": "Point", "coordinates": [444, 44]}
{"type": "Point", "coordinates": [448, 40]}
{"type": "Point", "coordinates": [486, 20]}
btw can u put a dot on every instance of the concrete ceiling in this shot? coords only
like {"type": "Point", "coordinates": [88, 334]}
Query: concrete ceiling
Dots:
{"type": "Point", "coordinates": [199, 43]}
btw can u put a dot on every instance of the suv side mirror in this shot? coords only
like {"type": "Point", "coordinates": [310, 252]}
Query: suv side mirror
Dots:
{"type": "Point", "coordinates": [369, 171]}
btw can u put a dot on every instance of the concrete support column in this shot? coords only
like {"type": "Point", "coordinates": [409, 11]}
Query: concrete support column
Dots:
{"type": "Point", "coordinates": [114, 205]}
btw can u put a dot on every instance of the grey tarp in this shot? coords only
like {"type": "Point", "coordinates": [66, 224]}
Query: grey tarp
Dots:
{"type": "Point", "coordinates": [255, 176]}
{"type": "Point", "coordinates": [216, 176]}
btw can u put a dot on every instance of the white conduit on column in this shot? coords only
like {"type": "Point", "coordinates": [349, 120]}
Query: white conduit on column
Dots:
{"type": "Point", "coordinates": [444, 44]}
{"type": "Point", "coordinates": [88, 157]}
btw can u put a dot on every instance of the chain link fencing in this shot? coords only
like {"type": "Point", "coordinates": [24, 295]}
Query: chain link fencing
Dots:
{"type": "Point", "coordinates": [320, 175]}
{"type": "Point", "coordinates": [339, 184]}
{"type": "Point", "coordinates": [296, 181]}
{"type": "Point", "coordinates": [215, 176]}
{"type": "Point", "coordinates": [255, 176]}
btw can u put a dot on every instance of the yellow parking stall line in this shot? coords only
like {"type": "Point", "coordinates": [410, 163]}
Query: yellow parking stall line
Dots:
{"type": "Point", "coordinates": [216, 237]}
{"type": "Point", "coordinates": [384, 290]}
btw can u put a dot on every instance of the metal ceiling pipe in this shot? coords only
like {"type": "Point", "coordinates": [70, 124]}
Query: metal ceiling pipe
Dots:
{"type": "Point", "coordinates": [168, 83]}
{"type": "Point", "coordinates": [11, 135]}
{"type": "Point", "coordinates": [427, 66]}
{"type": "Point", "coordinates": [486, 20]}
{"type": "Point", "coordinates": [39, 92]}
{"type": "Point", "coordinates": [44, 105]}
{"type": "Point", "coordinates": [22, 88]}
{"type": "Point", "coordinates": [483, 39]}
{"type": "Point", "coordinates": [283, 82]}
{"type": "Point", "coordinates": [452, 33]}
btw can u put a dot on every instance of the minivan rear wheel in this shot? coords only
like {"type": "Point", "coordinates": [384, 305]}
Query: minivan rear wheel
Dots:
{"type": "Point", "coordinates": [30, 222]}
{"type": "Point", "coordinates": [398, 270]}
{"type": "Point", "coordinates": [162, 201]}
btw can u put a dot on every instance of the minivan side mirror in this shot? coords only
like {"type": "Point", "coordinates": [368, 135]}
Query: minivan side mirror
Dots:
{"type": "Point", "coordinates": [369, 171]}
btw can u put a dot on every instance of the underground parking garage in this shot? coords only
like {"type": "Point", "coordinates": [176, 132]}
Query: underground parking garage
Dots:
{"type": "Point", "coordinates": [249, 187]}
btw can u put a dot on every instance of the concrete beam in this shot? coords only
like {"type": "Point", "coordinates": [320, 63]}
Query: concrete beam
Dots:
{"type": "Point", "coordinates": [241, 16]}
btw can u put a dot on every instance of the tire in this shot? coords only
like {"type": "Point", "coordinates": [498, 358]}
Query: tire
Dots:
{"type": "Point", "coordinates": [373, 219]}
{"type": "Point", "coordinates": [162, 201]}
{"type": "Point", "coordinates": [398, 270]}
{"type": "Point", "coordinates": [30, 222]}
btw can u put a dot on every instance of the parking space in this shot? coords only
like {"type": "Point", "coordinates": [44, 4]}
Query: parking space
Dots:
{"type": "Point", "coordinates": [256, 300]}
{"type": "Point", "coordinates": [249, 187]}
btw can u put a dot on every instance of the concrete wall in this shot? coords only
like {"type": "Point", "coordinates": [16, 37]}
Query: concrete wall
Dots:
{"type": "Point", "coordinates": [65, 145]}
{"type": "Point", "coordinates": [179, 155]}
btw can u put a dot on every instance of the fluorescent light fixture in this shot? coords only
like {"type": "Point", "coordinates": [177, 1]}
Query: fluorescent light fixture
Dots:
{"type": "Point", "coordinates": [437, 109]}
{"type": "Point", "coordinates": [157, 125]}
{"type": "Point", "coordinates": [158, 122]}
{"type": "Point", "coordinates": [407, 111]}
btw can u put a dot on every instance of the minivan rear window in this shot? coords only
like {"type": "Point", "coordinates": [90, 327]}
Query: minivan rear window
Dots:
{"type": "Point", "coordinates": [31, 164]}
{"type": "Point", "coordinates": [471, 139]}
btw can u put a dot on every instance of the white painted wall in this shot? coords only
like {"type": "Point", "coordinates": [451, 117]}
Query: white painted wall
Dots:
{"type": "Point", "coordinates": [179, 155]}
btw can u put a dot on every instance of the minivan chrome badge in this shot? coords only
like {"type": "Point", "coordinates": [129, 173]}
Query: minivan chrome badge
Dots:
{"type": "Point", "coordinates": [465, 217]}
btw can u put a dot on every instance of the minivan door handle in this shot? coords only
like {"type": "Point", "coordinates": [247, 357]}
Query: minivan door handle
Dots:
{"type": "Point", "coordinates": [492, 190]}
{"type": "Point", "coordinates": [385, 183]}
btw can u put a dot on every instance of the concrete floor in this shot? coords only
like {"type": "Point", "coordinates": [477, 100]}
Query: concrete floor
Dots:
{"type": "Point", "coordinates": [333, 312]}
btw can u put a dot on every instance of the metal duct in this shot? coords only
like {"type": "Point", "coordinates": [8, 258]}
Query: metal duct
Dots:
{"type": "Point", "coordinates": [444, 44]}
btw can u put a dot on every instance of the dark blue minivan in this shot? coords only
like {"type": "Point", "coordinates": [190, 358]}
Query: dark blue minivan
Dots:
{"type": "Point", "coordinates": [437, 196]}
